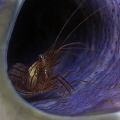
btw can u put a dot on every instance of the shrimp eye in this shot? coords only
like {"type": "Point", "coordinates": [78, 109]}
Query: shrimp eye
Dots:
{"type": "Point", "coordinates": [40, 57]}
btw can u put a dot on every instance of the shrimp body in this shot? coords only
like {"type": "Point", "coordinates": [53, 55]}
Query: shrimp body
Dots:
{"type": "Point", "coordinates": [39, 73]}
{"type": "Point", "coordinates": [39, 76]}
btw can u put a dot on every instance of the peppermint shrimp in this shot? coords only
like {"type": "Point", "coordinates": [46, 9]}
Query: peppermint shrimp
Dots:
{"type": "Point", "coordinates": [40, 76]}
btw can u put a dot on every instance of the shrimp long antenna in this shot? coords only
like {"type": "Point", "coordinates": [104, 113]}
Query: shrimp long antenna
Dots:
{"type": "Point", "coordinates": [58, 50]}
{"type": "Point", "coordinates": [80, 48]}
{"type": "Point", "coordinates": [85, 57]}
{"type": "Point", "coordinates": [66, 24]}
{"type": "Point", "coordinates": [82, 23]}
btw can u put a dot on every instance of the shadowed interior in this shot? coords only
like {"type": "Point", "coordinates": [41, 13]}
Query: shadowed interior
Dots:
{"type": "Point", "coordinates": [36, 28]}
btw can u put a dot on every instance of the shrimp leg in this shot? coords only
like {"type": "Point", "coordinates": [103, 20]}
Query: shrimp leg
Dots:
{"type": "Point", "coordinates": [64, 85]}
{"type": "Point", "coordinates": [58, 87]}
{"type": "Point", "coordinates": [66, 82]}
{"type": "Point", "coordinates": [69, 72]}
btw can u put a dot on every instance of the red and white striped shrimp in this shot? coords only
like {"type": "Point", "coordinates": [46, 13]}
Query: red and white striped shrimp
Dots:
{"type": "Point", "coordinates": [40, 77]}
